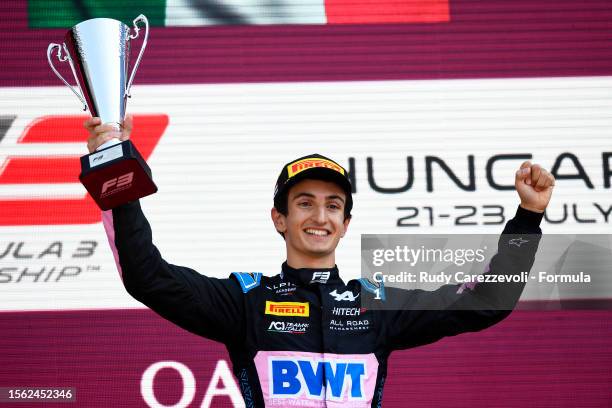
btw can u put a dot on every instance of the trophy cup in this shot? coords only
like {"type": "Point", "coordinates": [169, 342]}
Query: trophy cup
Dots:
{"type": "Point", "coordinates": [98, 51]}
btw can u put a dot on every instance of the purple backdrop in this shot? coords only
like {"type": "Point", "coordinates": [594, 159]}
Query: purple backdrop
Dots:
{"type": "Point", "coordinates": [484, 39]}
{"type": "Point", "coordinates": [531, 359]}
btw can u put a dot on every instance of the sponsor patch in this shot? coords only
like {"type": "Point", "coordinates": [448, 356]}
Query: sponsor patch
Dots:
{"type": "Point", "coordinates": [344, 325]}
{"type": "Point", "coordinates": [282, 288]}
{"type": "Point", "coordinates": [300, 309]}
{"type": "Point", "coordinates": [320, 277]}
{"type": "Point", "coordinates": [288, 327]}
{"type": "Point", "coordinates": [301, 165]}
{"type": "Point", "coordinates": [316, 380]}
{"type": "Point", "coordinates": [348, 311]}
{"type": "Point", "coordinates": [346, 295]}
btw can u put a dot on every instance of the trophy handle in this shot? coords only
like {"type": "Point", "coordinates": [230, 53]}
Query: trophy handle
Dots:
{"type": "Point", "coordinates": [140, 18]}
{"type": "Point", "coordinates": [65, 58]}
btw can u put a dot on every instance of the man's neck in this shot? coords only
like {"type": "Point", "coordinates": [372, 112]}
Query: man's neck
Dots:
{"type": "Point", "coordinates": [297, 262]}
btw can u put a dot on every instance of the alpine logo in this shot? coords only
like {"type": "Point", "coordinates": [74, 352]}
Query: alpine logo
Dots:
{"type": "Point", "coordinates": [282, 288]}
{"type": "Point", "coordinates": [117, 184]}
{"type": "Point", "coordinates": [32, 168]}
{"type": "Point", "coordinates": [346, 296]}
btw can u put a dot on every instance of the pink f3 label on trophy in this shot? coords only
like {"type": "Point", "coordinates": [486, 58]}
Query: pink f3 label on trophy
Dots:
{"type": "Point", "coordinates": [98, 52]}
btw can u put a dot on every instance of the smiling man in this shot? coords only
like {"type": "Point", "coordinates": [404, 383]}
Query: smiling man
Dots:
{"type": "Point", "coordinates": [302, 337]}
{"type": "Point", "coordinates": [318, 192]}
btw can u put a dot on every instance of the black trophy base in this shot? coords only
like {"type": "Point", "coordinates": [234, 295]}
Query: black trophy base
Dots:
{"type": "Point", "coordinates": [116, 175]}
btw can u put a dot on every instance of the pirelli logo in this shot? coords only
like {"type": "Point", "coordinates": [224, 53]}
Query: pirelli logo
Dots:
{"type": "Point", "coordinates": [301, 165]}
{"type": "Point", "coordinates": [287, 308]}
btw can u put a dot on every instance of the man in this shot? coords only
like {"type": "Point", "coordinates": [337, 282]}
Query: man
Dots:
{"type": "Point", "coordinates": [302, 337]}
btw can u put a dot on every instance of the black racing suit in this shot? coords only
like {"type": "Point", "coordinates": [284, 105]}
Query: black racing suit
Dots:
{"type": "Point", "coordinates": [302, 337]}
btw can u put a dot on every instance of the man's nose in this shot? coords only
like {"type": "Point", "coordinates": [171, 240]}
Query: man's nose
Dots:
{"type": "Point", "coordinates": [320, 216]}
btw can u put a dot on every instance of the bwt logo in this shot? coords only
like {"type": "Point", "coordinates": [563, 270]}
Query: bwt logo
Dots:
{"type": "Point", "coordinates": [293, 378]}
{"type": "Point", "coordinates": [41, 169]}
{"type": "Point", "coordinates": [117, 184]}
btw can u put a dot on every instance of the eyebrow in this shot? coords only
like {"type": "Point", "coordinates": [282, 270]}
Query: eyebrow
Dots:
{"type": "Point", "coordinates": [309, 195]}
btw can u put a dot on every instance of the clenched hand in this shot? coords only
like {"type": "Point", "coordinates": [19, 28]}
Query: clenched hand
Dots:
{"type": "Point", "coordinates": [534, 185]}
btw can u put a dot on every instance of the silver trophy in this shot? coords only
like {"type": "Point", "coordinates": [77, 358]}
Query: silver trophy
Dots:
{"type": "Point", "coordinates": [98, 52]}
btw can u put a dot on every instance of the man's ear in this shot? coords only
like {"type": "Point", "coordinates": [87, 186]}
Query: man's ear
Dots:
{"type": "Point", "coordinates": [346, 222]}
{"type": "Point", "coordinates": [279, 220]}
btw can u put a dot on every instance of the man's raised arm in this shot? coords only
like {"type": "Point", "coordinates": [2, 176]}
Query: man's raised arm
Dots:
{"type": "Point", "coordinates": [209, 307]}
{"type": "Point", "coordinates": [423, 317]}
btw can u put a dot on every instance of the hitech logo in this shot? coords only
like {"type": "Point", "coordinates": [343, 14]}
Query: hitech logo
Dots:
{"type": "Point", "coordinates": [43, 168]}
{"type": "Point", "coordinates": [117, 184]}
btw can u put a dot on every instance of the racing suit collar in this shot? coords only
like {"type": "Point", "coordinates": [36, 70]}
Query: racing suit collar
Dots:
{"type": "Point", "coordinates": [306, 276]}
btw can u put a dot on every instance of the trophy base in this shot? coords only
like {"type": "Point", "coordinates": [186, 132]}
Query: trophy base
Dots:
{"type": "Point", "coordinates": [116, 175]}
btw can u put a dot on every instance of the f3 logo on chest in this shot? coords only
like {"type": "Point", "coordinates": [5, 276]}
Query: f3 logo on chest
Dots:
{"type": "Point", "coordinates": [320, 277]}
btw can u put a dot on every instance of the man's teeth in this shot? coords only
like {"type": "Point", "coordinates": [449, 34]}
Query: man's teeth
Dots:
{"type": "Point", "coordinates": [316, 232]}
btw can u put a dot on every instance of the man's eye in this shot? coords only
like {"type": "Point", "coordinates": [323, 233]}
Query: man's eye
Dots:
{"type": "Point", "coordinates": [304, 204]}
{"type": "Point", "coordinates": [334, 206]}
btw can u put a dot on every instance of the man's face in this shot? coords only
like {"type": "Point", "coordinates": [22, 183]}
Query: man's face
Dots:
{"type": "Point", "coordinates": [315, 220]}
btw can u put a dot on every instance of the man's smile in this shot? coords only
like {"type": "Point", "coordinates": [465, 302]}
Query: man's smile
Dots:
{"type": "Point", "coordinates": [317, 231]}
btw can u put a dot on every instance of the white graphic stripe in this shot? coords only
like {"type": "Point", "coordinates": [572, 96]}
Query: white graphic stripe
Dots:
{"type": "Point", "coordinates": [186, 13]}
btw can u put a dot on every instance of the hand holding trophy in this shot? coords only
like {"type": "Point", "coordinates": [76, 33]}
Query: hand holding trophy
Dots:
{"type": "Point", "coordinates": [98, 51]}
